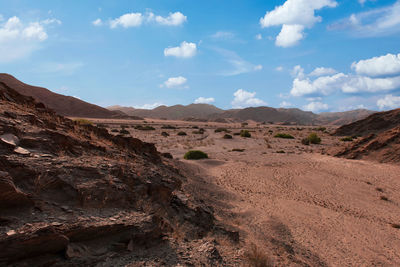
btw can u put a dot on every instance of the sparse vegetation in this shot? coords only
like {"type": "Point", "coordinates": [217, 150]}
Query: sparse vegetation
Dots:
{"type": "Point", "coordinates": [227, 136]}
{"type": "Point", "coordinates": [195, 155]}
{"type": "Point", "coordinates": [320, 129]}
{"type": "Point", "coordinates": [123, 131]}
{"type": "Point", "coordinates": [238, 133]}
{"type": "Point", "coordinates": [114, 130]}
{"type": "Point", "coordinates": [165, 134]}
{"type": "Point", "coordinates": [144, 128]}
{"type": "Point", "coordinates": [238, 150]}
{"type": "Point", "coordinates": [200, 131]}
{"type": "Point", "coordinates": [305, 141]}
{"type": "Point", "coordinates": [280, 152]}
{"type": "Point", "coordinates": [182, 134]}
{"type": "Point", "coordinates": [245, 133]}
{"type": "Point", "coordinates": [384, 198]}
{"type": "Point", "coordinates": [347, 139]}
{"type": "Point", "coordinates": [395, 225]}
{"type": "Point", "coordinates": [218, 130]}
{"type": "Point", "coordinates": [83, 122]}
{"type": "Point", "coordinates": [257, 258]}
{"type": "Point", "coordinates": [168, 127]}
{"type": "Point", "coordinates": [314, 139]}
{"type": "Point", "coordinates": [284, 135]}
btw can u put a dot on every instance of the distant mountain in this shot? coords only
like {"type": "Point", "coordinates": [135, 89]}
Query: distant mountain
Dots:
{"type": "Point", "coordinates": [341, 118]}
{"type": "Point", "coordinates": [259, 114]}
{"type": "Point", "coordinates": [177, 112]}
{"type": "Point", "coordinates": [63, 105]}
{"type": "Point", "coordinates": [380, 139]}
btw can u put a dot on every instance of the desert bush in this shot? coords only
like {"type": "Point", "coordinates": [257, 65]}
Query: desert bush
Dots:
{"type": "Point", "coordinates": [314, 139]}
{"type": "Point", "coordinates": [182, 134]}
{"type": "Point", "coordinates": [195, 155]}
{"type": "Point", "coordinates": [395, 225]}
{"type": "Point", "coordinates": [257, 258]}
{"type": "Point", "coordinates": [227, 136]}
{"type": "Point", "coordinates": [347, 139]}
{"type": "Point", "coordinates": [245, 133]}
{"type": "Point", "coordinates": [83, 122]}
{"type": "Point", "coordinates": [144, 128]}
{"type": "Point", "coordinates": [114, 131]}
{"type": "Point", "coordinates": [280, 152]}
{"type": "Point", "coordinates": [200, 131]}
{"type": "Point", "coordinates": [218, 130]}
{"type": "Point", "coordinates": [165, 134]}
{"type": "Point", "coordinates": [123, 131]}
{"type": "Point", "coordinates": [305, 141]}
{"type": "Point", "coordinates": [284, 135]}
{"type": "Point", "coordinates": [238, 149]}
{"type": "Point", "coordinates": [320, 129]}
{"type": "Point", "coordinates": [168, 127]}
{"type": "Point", "coordinates": [195, 127]}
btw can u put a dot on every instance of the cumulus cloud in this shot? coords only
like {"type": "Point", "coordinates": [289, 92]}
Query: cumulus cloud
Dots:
{"type": "Point", "coordinates": [315, 106]}
{"type": "Point", "coordinates": [388, 102]}
{"type": "Point", "coordinates": [387, 65]}
{"type": "Point", "coordinates": [185, 50]}
{"type": "Point", "coordinates": [357, 84]}
{"type": "Point", "coordinates": [204, 100]}
{"type": "Point", "coordinates": [294, 16]}
{"type": "Point", "coordinates": [97, 22]}
{"type": "Point", "coordinates": [174, 82]}
{"type": "Point", "coordinates": [18, 40]}
{"type": "Point", "coordinates": [324, 85]}
{"type": "Point", "coordinates": [290, 35]}
{"type": "Point", "coordinates": [323, 71]}
{"type": "Point", "coordinates": [127, 20]}
{"type": "Point", "coordinates": [244, 99]}
{"type": "Point", "coordinates": [136, 19]}
{"type": "Point", "coordinates": [173, 19]}
{"type": "Point", "coordinates": [149, 106]}
{"type": "Point", "coordinates": [375, 22]}
{"type": "Point", "coordinates": [285, 104]}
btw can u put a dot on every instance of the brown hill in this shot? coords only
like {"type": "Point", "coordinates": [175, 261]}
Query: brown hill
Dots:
{"type": "Point", "coordinates": [63, 105]}
{"type": "Point", "coordinates": [73, 195]}
{"type": "Point", "coordinates": [177, 112]}
{"type": "Point", "coordinates": [342, 118]}
{"type": "Point", "coordinates": [380, 139]}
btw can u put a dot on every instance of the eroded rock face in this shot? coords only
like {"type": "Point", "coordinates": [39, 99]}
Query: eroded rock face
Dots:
{"type": "Point", "coordinates": [75, 195]}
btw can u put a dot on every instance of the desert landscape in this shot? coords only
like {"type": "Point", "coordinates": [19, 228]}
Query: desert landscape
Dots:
{"type": "Point", "coordinates": [199, 133]}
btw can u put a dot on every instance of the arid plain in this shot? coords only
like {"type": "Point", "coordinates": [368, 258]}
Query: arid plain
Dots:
{"type": "Point", "coordinates": [295, 203]}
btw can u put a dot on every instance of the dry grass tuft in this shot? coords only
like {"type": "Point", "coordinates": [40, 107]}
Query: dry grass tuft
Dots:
{"type": "Point", "coordinates": [257, 258]}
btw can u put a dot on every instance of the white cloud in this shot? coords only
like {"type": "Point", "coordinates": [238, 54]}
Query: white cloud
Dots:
{"type": "Point", "coordinates": [315, 106]}
{"type": "Point", "coordinates": [51, 21]}
{"type": "Point", "coordinates": [204, 100]}
{"type": "Point", "coordinates": [387, 65]}
{"type": "Point", "coordinates": [294, 16]}
{"type": "Point", "coordinates": [174, 82]}
{"type": "Point", "coordinates": [185, 50]}
{"type": "Point", "coordinates": [357, 84]}
{"type": "Point", "coordinates": [323, 71]}
{"type": "Point", "coordinates": [388, 102]}
{"type": "Point", "coordinates": [149, 106]}
{"type": "Point", "coordinates": [375, 22]}
{"type": "Point", "coordinates": [298, 72]}
{"type": "Point", "coordinates": [258, 36]}
{"type": "Point", "coordinates": [127, 20]}
{"type": "Point", "coordinates": [290, 35]}
{"type": "Point", "coordinates": [279, 68]}
{"type": "Point", "coordinates": [173, 19]}
{"type": "Point", "coordinates": [223, 35]}
{"type": "Point", "coordinates": [18, 40]}
{"type": "Point", "coordinates": [244, 99]}
{"type": "Point", "coordinates": [285, 104]}
{"type": "Point", "coordinates": [258, 67]}
{"type": "Point", "coordinates": [324, 85]}
{"type": "Point", "coordinates": [97, 22]}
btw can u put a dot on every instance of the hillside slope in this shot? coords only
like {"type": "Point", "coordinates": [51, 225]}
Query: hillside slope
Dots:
{"type": "Point", "coordinates": [63, 105]}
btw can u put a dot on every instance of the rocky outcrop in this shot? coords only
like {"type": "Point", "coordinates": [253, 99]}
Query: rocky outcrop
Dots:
{"type": "Point", "coordinates": [75, 195]}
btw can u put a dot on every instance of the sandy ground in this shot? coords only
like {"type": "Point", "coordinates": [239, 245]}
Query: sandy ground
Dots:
{"type": "Point", "coordinates": [300, 207]}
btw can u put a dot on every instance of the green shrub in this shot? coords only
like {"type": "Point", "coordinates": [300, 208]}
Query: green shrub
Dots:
{"type": "Point", "coordinates": [144, 128]}
{"type": "Point", "coordinates": [168, 127]}
{"type": "Point", "coordinates": [227, 136]}
{"type": "Point", "coordinates": [123, 131]}
{"type": "Point", "coordinates": [347, 139]}
{"type": "Point", "coordinates": [195, 155]}
{"type": "Point", "coordinates": [218, 130]}
{"type": "Point", "coordinates": [182, 134]}
{"type": "Point", "coordinates": [314, 139]}
{"type": "Point", "coordinates": [83, 122]}
{"type": "Point", "coordinates": [284, 135]}
{"type": "Point", "coordinates": [245, 133]}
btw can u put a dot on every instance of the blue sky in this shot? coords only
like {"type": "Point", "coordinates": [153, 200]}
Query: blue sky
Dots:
{"type": "Point", "coordinates": [320, 55]}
